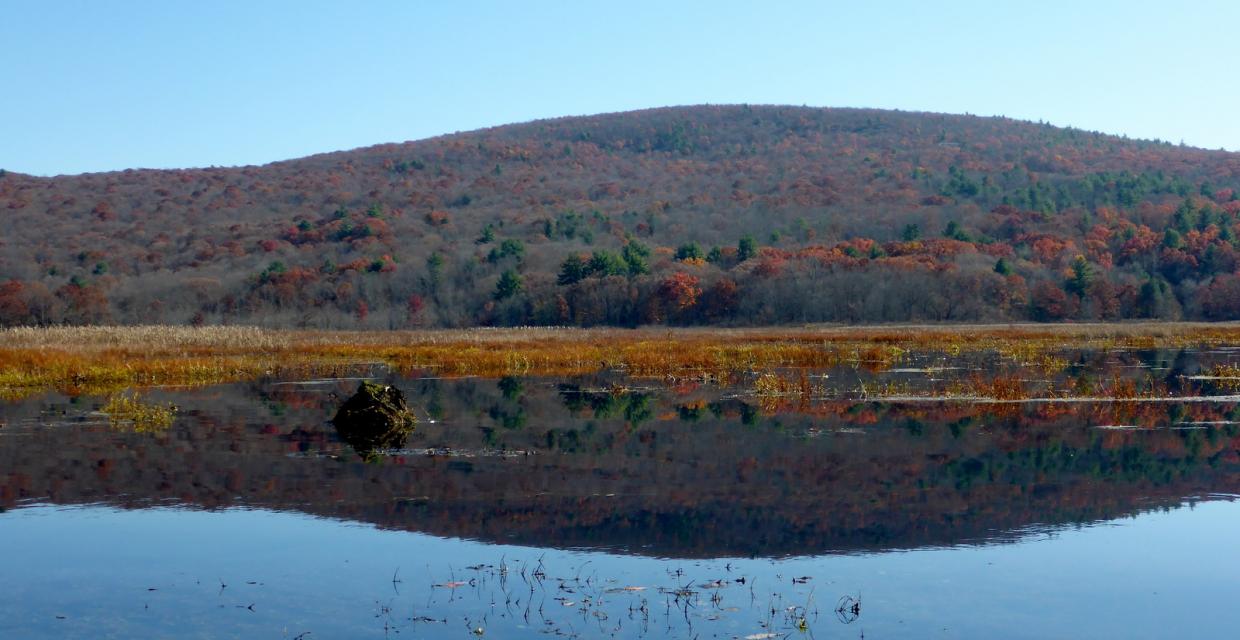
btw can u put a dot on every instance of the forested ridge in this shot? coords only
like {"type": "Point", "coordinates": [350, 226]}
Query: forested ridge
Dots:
{"type": "Point", "coordinates": [732, 215]}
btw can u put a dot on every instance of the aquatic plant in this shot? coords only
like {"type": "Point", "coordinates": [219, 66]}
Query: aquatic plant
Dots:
{"type": "Point", "coordinates": [129, 411]}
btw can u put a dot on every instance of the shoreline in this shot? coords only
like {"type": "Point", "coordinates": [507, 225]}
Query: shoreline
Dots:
{"type": "Point", "coordinates": [79, 360]}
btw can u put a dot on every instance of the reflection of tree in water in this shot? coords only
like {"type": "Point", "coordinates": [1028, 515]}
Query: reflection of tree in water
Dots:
{"type": "Point", "coordinates": [511, 387]}
{"type": "Point", "coordinates": [634, 406]}
{"type": "Point", "coordinates": [620, 468]}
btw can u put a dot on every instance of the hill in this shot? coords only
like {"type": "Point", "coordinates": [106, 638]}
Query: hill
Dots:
{"type": "Point", "coordinates": [689, 215]}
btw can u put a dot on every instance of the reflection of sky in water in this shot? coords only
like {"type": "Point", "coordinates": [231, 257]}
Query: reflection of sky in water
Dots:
{"type": "Point", "coordinates": [691, 471]}
{"type": "Point", "coordinates": [1157, 575]}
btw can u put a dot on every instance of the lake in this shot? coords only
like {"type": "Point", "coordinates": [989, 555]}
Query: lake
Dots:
{"type": "Point", "coordinates": [846, 502]}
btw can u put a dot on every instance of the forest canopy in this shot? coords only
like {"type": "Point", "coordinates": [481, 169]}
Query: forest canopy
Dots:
{"type": "Point", "coordinates": [728, 215]}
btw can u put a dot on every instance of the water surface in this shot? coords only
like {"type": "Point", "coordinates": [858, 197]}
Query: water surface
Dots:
{"type": "Point", "coordinates": [606, 507]}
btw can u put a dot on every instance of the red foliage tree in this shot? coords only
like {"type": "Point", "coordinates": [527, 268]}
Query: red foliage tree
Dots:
{"type": "Point", "coordinates": [1221, 299]}
{"type": "Point", "coordinates": [680, 291]}
{"type": "Point", "coordinates": [414, 305]}
{"type": "Point", "coordinates": [1048, 302]}
{"type": "Point", "coordinates": [13, 309]}
{"type": "Point", "coordinates": [721, 300]}
{"type": "Point", "coordinates": [86, 304]}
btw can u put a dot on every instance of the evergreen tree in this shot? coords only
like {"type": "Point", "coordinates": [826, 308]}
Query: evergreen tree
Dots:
{"type": "Point", "coordinates": [1172, 239]}
{"type": "Point", "coordinates": [636, 256]}
{"type": "Point", "coordinates": [689, 251]}
{"type": "Point", "coordinates": [1082, 277]}
{"type": "Point", "coordinates": [746, 248]}
{"type": "Point", "coordinates": [509, 285]}
{"type": "Point", "coordinates": [572, 270]}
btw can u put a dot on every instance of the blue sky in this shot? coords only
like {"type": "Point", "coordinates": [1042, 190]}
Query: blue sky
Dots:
{"type": "Point", "coordinates": [92, 86]}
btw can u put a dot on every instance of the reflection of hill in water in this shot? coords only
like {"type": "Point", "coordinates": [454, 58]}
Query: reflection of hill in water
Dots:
{"type": "Point", "coordinates": [658, 473]}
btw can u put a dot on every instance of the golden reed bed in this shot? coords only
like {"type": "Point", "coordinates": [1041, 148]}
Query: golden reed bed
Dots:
{"type": "Point", "coordinates": [102, 359]}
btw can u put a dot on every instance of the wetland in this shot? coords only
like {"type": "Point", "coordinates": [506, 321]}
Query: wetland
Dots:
{"type": "Point", "coordinates": [802, 483]}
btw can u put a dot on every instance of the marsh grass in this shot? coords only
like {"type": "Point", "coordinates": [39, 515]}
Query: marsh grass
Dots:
{"type": "Point", "coordinates": [106, 359]}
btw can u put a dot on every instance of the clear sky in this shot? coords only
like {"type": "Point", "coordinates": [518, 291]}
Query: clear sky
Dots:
{"type": "Point", "coordinates": [94, 85]}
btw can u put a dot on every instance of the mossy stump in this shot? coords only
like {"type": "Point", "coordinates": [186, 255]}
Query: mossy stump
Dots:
{"type": "Point", "coordinates": [374, 419]}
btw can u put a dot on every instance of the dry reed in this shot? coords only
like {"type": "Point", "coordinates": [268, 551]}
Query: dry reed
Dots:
{"type": "Point", "coordinates": [104, 359]}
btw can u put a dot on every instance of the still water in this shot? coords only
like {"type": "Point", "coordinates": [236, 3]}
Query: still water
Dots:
{"type": "Point", "coordinates": [578, 508]}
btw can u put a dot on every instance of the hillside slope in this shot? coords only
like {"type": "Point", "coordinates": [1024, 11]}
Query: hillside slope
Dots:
{"type": "Point", "coordinates": [712, 214]}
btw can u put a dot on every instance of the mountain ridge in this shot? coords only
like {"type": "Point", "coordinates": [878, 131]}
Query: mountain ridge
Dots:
{"type": "Point", "coordinates": [716, 214]}
{"type": "Point", "coordinates": [387, 146]}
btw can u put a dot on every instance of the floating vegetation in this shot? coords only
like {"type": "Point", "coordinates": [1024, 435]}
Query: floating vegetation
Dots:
{"type": "Point", "coordinates": [773, 384]}
{"type": "Point", "coordinates": [578, 602]}
{"type": "Point", "coordinates": [129, 411]}
{"type": "Point", "coordinates": [450, 452]}
{"type": "Point", "coordinates": [1221, 377]}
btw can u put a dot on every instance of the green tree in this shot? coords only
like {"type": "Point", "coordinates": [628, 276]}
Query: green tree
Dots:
{"type": "Point", "coordinates": [910, 233]}
{"type": "Point", "coordinates": [1157, 300]}
{"type": "Point", "coordinates": [636, 258]}
{"type": "Point", "coordinates": [746, 248]}
{"type": "Point", "coordinates": [1172, 239]}
{"type": "Point", "coordinates": [1186, 216]}
{"type": "Point", "coordinates": [509, 285]}
{"type": "Point", "coordinates": [1002, 267]}
{"type": "Point", "coordinates": [434, 267]}
{"type": "Point", "coordinates": [488, 235]}
{"type": "Point", "coordinates": [689, 251]}
{"type": "Point", "coordinates": [572, 270]}
{"type": "Point", "coordinates": [512, 248]}
{"type": "Point", "coordinates": [1226, 234]}
{"type": "Point", "coordinates": [954, 231]}
{"type": "Point", "coordinates": [606, 263]}
{"type": "Point", "coordinates": [1082, 277]}
{"type": "Point", "coordinates": [960, 184]}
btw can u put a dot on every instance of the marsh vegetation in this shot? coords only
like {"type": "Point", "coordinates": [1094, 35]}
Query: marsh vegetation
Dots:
{"type": "Point", "coordinates": [99, 359]}
{"type": "Point", "coordinates": [632, 479]}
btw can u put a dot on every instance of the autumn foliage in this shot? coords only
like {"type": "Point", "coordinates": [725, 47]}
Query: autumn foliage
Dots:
{"type": "Point", "coordinates": [731, 215]}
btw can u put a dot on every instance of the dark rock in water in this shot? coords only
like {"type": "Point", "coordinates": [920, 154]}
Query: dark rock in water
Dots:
{"type": "Point", "coordinates": [375, 418]}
